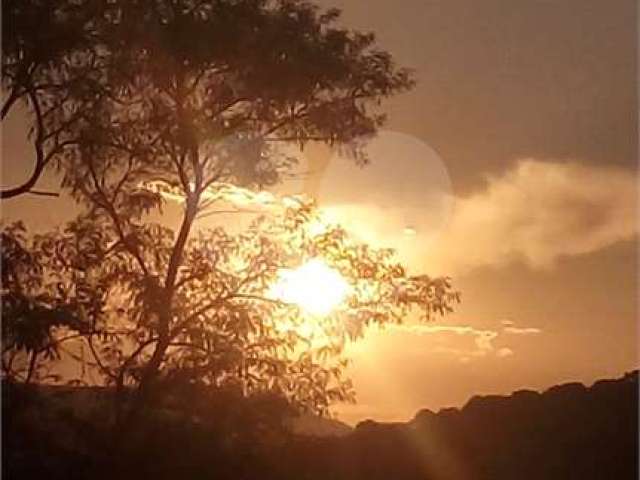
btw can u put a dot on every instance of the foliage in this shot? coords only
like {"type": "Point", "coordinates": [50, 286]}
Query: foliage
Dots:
{"type": "Point", "coordinates": [35, 304]}
{"type": "Point", "coordinates": [140, 103]}
{"type": "Point", "coordinates": [225, 329]}
{"type": "Point", "coordinates": [51, 65]}
{"type": "Point", "coordinates": [161, 80]}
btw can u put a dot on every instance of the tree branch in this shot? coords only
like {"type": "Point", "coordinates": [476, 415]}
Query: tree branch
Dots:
{"type": "Point", "coordinates": [41, 160]}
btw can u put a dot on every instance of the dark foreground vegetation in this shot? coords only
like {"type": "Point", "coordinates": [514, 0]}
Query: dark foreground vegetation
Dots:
{"type": "Point", "coordinates": [569, 431]}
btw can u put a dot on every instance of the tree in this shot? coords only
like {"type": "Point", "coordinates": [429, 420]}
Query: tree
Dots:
{"type": "Point", "coordinates": [245, 69]}
{"type": "Point", "coordinates": [197, 96]}
{"type": "Point", "coordinates": [51, 63]}
{"type": "Point", "coordinates": [227, 329]}
{"type": "Point", "coordinates": [32, 310]}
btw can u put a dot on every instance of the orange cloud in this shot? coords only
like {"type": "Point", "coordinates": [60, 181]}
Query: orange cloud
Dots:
{"type": "Point", "coordinates": [537, 213]}
{"type": "Point", "coordinates": [522, 331]}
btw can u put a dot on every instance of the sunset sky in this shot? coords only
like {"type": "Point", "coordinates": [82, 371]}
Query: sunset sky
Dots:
{"type": "Point", "coordinates": [511, 167]}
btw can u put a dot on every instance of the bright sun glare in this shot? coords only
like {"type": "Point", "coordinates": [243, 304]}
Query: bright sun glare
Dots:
{"type": "Point", "coordinates": [314, 286]}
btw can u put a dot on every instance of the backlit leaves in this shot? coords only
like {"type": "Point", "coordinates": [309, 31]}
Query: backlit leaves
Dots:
{"type": "Point", "coordinates": [226, 331]}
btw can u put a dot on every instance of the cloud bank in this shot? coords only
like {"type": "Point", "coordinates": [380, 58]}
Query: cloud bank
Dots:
{"type": "Point", "coordinates": [537, 213]}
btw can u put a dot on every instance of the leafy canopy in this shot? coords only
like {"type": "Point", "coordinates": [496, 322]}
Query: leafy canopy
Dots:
{"type": "Point", "coordinates": [226, 329]}
{"type": "Point", "coordinates": [189, 100]}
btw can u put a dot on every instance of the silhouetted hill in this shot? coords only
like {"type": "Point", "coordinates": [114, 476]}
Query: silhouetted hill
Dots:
{"type": "Point", "coordinates": [315, 426]}
{"type": "Point", "coordinates": [566, 432]}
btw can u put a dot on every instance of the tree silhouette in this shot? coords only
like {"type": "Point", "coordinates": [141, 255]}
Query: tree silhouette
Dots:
{"type": "Point", "coordinates": [190, 102]}
{"type": "Point", "coordinates": [137, 75]}
{"type": "Point", "coordinates": [51, 64]}
{"type": "Point", "coordinates": [225, 329]}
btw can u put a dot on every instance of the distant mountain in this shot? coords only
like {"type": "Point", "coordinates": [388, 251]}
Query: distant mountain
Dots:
{"type": "Point", "coordinates": [567, 432]}
{"type": "Point", "coordinates": [315, 426]}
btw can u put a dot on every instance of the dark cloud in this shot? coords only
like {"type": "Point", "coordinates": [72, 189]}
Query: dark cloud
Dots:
{"type": "Point", "coordinates": [499, 79]}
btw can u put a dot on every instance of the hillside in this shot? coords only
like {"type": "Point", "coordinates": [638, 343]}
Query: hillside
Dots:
{"type": "Point", "coordinates": [566, 432]}
{"type": "Point", "coordinates": [569, 431]}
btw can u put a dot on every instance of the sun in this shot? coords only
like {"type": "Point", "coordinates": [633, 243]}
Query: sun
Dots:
{"type": "Point", "coordinates": [313, 286]}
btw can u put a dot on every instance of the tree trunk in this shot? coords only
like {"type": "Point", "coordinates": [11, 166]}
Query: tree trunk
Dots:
{"type": "Point", "coordinates": [151, 370]}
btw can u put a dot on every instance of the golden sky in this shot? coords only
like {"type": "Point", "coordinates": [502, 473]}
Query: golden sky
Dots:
{"type": "Point", "coordinates": [512, 167]}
